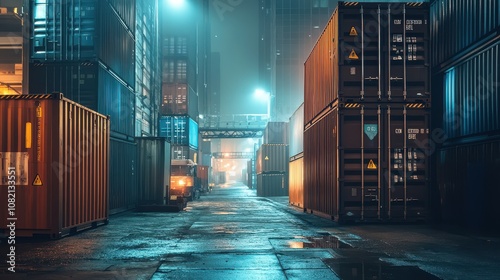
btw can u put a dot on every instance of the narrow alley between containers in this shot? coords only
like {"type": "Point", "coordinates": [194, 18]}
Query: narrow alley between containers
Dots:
{"type": "Point", "coordinates": [231, 233]}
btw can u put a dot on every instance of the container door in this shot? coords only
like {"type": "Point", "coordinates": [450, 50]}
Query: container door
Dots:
{"type": "Point", "coordinates": [359, 162]}
{"type": "Point", "coordinates": [407, 60]}
{"type": "Point", "coordinates": [361, 52]}
{"type": "Point", "coordinates": [407, 151]}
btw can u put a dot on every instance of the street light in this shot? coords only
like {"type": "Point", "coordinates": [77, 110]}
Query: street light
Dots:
{"type": "Point", "coordinates": [177, 4]}
{"type": "Point", "coordinates": [264, 95]}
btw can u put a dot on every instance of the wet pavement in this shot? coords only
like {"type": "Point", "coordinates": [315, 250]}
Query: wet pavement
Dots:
{"type": "Point", "coordinates": [233, 234]}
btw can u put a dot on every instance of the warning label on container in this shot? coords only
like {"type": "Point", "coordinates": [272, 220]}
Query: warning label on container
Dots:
{"type": "Point", "coordinates": [372, 165]}
{"type": "Point", "coordinates": [266, 158]}
{"type": "Point", "coordinates": [353, 32]}
{"type": "Point", "coordinates": [353, 55]}
{"type": "Point", "coordinates": [37, 181]}
{"type": "Point", "coordinates": [14, 163]}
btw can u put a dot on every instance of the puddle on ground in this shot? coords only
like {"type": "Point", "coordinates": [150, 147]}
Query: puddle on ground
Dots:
{"type": "Point", "coordinates": [355, 268]}
{"type": "Point", "coordinates": [224, 213]}
{"type": "Point", "coordinates": [319, 242]}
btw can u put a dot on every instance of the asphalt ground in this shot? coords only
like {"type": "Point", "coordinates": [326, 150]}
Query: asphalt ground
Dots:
{"type": "Point", "coordinates": [231, 233]}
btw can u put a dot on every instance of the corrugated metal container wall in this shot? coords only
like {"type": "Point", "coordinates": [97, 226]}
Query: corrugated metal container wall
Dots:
{"type": "Point", "coordinates": [472, 96]}
{"type": "Point", "coordinates": [184, 152]}
{"type": "Point", "coordinates": [296, 131]}
{"type": "Point", "coordinates": [276, 133]}
{"type": "Point", "coordinates": [460, 26]}
{"type": "Point", "coordinates": [381, 163]}
{"type": "Point", "coordinates": [272, 158]}
{"type": "Point", "coordinates": [117, 50]}
{"type": "Point", "coordinates": [320, 78]}
{"type": "Point", "coordinates": [179, 130]}
{"type": "Point", "coordinates": [77, 81]}
{"type": "Point", "coordinates": [126, 11]}
{"type": "Point", "coordinates": [349, 60]}
{"type": "Point", "coordinates": [92, 86]}
{"type": "Point", "coordinates": [117, 101]}
{"type": "Point", "coordinates": [96, 32]}
{"type": "Point", "coordinates": [153, 170]}
{"type": "Point", "coordinates": [272, 184]}
{"type": "Point", "coordinates": [468, 185]}
{"type": "Point", "coordinates": [296, 182]}
{"type": "Point", "coordinates": [54, 39]}
{"type": "Point", "coordinates": [59, 154]}
{"type": "Point", "coordinates": [320, 168]}
{"type": "Point", "coordinates": [123, 194]}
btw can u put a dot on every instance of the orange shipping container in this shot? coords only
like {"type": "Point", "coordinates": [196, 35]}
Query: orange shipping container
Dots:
{"type": "Point", "coordinates": [56, 153]}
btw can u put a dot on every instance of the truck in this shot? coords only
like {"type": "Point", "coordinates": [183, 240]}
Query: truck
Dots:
{"type": "Point", "coordinates": [182, 181]}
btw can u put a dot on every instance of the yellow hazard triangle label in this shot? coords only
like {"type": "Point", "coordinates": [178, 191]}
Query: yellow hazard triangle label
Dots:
{"type": "Point", "coordinates": [266, 158]}
{"type": "Point", "coordinates": [353, 32]}
{"type": "Point", "coordinates": [37, 181]}
{"type": "Point", "coordinates": [353, 55]}
{"type": "Point", "coordinates": [371, 165]}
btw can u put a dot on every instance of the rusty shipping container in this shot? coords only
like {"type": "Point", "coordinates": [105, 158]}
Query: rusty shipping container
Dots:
{"type": "Point", "coordinates": [368, 162]}
{"type": "Point", "coordinates": [371, 52]}
{"type": "Point", "coordinates": [153, 170]}
{"type": "Point", "coordinates": [272, 184]}
{"type": "Point", "coordinates": [56, 154]}
{"type": "Point", "coordinates": [272, 158]}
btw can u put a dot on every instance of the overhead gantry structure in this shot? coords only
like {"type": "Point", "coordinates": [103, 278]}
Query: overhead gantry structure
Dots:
{"type": "Point", "coordinates": [233, 126]}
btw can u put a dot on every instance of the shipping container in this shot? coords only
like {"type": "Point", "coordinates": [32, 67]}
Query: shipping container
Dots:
{"type": "Point", "coordinates": [251, 175]}
{"type": "Point", "coordinates": [468, 184]}
{"type": "Point", "coordinates": [276, 133]}
{"type": "Point", "coordinates": [55, 165]}
{"type": "Point", "coordinates": [153, 170]}
{"type": "Point", "coordinates": [85, 30]}
{"type": "Point", "coordinates": [184, 152]}
{"type": "Point", "coordinates": [179, 130]}
{"type": "Point", "coordinates": [460, 27]}
{"type": "Point", "coordinates": [202, 173]}
{"type": "Point", "coordinates": [296, 181]}
{"type": "Point", "coordinates": [471, 96]}
{"type": "Point", "coordinates": [367, 162]}
{"type": "Point", "coordinates": [91, 85]}
{"type": "Point", "coordinates": [272, 184]}
{"type": "Point", "coordinates": [123, 188]}
{"type": "Point", "coordinates": [296, 131]}
{"type": "Point", "coordinates": [373, 52]}
{"type": "Point", "coordinates": [272, 158]}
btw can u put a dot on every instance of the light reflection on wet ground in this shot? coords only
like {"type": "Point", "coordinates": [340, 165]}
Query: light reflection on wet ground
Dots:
{"type": "Point", "coordinates": [232, 234]}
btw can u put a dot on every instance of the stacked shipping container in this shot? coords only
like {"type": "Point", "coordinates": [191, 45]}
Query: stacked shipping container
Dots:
{"type": "Point", "coordinates": [296, 165]}
{"type": "Point", "coordinates": [271, 167]}
{"type": "Point", "coordinates": [466, 42]}
{"type": "Point", "coordinates": [86, 49]}
{"type": "Point", "coordinates": [366, 114]}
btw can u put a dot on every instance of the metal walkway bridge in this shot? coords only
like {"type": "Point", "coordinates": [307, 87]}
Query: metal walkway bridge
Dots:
{"type": "Point", "coordinates": [233, 126]}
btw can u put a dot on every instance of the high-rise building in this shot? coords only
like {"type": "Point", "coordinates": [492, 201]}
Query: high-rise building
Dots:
{"type": "Point", "coordinates": [288, 31]}
{"type": "Point", "coordinates": [11, 47]}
